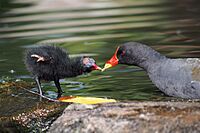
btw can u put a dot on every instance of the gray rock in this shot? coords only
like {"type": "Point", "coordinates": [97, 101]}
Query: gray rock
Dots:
{"type": "Point", "coordinates": [129, 117]}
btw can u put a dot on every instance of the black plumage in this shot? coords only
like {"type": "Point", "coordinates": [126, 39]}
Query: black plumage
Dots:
{"type": "Point", "coordinates": [52, 63]}
{"type": "Point", "coordinates": [175, 77]}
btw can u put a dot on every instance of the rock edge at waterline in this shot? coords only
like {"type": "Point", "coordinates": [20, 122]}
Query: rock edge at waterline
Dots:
{"type": "Point", "coordinates": [128, 117]}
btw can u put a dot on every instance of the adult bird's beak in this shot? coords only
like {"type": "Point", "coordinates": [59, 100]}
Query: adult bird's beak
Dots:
{"type": "Point", "coordinates": [112, 62]}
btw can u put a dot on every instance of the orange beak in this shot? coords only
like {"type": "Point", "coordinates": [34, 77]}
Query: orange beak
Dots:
{"type": "Point", "coordinates": [112, 62]}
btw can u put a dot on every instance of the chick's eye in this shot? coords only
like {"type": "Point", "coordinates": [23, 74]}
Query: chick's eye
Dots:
{"type": "Point", "coordinates": [123, 53]}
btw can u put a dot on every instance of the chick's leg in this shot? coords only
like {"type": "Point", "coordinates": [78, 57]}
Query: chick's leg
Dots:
{"type": "Point", "coordinates": [37, 79]}
{"type": "Point", "coordinates": [57, 83]}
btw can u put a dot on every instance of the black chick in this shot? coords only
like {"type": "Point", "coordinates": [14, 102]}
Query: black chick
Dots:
{"type": "Point", "coordinates": [52, 63]}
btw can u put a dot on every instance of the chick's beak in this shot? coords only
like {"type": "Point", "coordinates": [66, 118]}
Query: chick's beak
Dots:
{"type": "Point", "coordinates": [112, 62]}
{"type": "Point", "coordinates": [95, 67]}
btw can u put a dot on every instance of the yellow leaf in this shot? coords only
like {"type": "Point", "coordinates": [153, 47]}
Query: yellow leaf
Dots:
{"type": "Point", "coordinates": [85, 100]}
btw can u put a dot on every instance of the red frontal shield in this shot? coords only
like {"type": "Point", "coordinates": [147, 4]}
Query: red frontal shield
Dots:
{"type": "Point", "coordinates": [114, 60]}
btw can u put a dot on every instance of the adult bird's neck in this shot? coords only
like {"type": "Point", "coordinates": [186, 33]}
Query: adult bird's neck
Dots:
{"type": "Point", "coordinates": [148, 58]}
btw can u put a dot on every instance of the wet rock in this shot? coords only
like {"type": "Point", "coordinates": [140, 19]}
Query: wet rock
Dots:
{"type": "Point", "coordinates": [22, 111]}
{"type": "Point", "coordinates": [130, 117]}
{"type": "Point", "coordinates": [38, 119]}
{"type": "Point", "coordinates": [78, 107]}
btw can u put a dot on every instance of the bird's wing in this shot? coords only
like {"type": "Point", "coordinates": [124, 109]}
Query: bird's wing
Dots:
{"type": "Point", "coordinates": [40, 58]}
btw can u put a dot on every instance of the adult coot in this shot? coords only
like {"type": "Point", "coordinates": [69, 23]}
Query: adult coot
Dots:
{"type": "Point", "coordinates": [52, 63]}
{"type": "Point", "coordinates": [175, 77]}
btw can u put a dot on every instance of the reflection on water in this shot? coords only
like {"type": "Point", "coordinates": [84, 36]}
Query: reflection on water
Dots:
{"type": "Point", "coordinates": [95, 28]}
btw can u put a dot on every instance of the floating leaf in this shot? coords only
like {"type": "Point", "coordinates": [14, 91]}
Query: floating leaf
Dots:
{"type": "Point", "coordinates": [85, 100]}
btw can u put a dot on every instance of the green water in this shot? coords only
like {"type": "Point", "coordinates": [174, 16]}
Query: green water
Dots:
{"type": "Point", "coordinates": [96, 28]}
